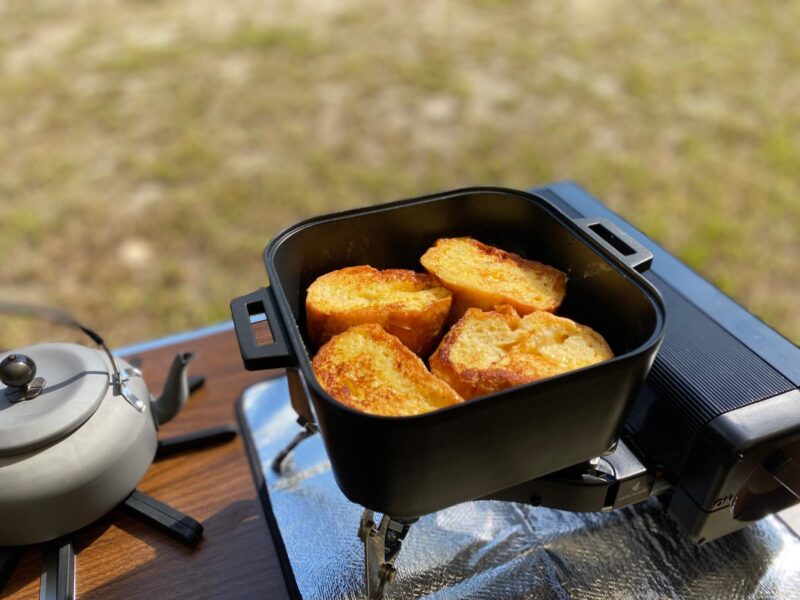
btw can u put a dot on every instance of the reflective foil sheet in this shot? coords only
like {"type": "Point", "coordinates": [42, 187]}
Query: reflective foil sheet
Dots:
{"type": "Point", "coordinates": [485, 550]}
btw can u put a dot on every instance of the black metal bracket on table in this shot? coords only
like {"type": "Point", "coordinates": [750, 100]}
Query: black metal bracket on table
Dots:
{"type": "Point", "coordinates": [196, 382]}
{"type": "Point", "coordinates": [163, 517]}
{"type": "Point", "coordinates": [196, 440]}
{"type": "Point", "coordinates": [58, 570]}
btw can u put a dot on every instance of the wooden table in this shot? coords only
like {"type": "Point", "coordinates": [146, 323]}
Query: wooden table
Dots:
{"type": "Point", "coordinates": [120, 557]}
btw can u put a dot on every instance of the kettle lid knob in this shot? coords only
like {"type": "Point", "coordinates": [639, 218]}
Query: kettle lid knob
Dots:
{"type": "Point", "coordinates": [17, 370]}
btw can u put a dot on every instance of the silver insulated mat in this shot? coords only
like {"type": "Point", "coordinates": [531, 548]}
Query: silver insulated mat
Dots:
{"type": "Point", "coordinates": [493, 550]}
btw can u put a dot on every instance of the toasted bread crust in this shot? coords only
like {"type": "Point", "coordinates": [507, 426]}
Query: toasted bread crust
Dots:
{"type": "Point", "coordinates": [409, 305]}
{"type": "Point", "coordinates": [490, 351]}
{"type": "Point", "coordinates": [483, 276]}
{"type": "Point", "coordinates": [370, 370]}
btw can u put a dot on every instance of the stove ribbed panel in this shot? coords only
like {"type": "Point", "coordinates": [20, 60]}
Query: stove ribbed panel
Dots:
{"type": "Point", "coordinates": [701, 372]}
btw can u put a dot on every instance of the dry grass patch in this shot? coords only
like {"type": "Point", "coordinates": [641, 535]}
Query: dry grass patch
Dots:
{"type": "Point", "coordinates": [150, 149]}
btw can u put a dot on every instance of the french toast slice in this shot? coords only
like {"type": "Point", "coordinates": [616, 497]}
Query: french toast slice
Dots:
{"type": "Point", "coordinates": [489, 351]}
{"type": "Point", "coordinates": [483, 276]}
{"type": "Point", "coordinates": [412, 306]}
{"type": "Point", "coordinates": [370, 370]}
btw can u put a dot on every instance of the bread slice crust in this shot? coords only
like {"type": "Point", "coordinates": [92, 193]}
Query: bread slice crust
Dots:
{"type": "Point", "coordinates": [488, 351]}
{"type": "Point", "coordinates": [412, 306]}
{"type": "Point", "coordinates": [370, 370]}
{"type": "Point", "coordinates": [482, 276]}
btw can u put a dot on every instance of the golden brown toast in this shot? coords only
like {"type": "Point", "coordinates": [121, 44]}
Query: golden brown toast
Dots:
{"type": "Point", "coordinates": [373, 371]}
{"type": "Point", "coordinates": [483, 277]}
{"type": "Point", "coordinates": [489, 351]}
{"type": "Point", "coordinates": [412, 306]}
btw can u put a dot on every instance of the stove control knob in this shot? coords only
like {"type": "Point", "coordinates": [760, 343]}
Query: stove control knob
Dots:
{"type": "Point", "coordinates": [17, 370]}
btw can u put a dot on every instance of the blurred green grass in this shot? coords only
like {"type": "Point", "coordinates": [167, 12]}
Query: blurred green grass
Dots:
{"type": "Point", "coordinates": [151, 148]}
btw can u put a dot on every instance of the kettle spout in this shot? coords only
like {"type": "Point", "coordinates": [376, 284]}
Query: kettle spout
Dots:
{"type": "Point", "coordinates": [176, 389]}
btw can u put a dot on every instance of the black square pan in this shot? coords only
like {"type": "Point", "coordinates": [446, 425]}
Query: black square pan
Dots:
{"type": "Point", "coordinates": [410, 466]}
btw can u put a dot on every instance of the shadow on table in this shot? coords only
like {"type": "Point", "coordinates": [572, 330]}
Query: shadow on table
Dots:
{"type": "Point", "coordinates": [205, 571]}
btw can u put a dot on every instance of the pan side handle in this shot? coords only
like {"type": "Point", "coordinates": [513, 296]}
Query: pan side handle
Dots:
{"type": "Point", "coordinates": [617, 242]}
{"type": "Point", "coordinates": [273, 355]}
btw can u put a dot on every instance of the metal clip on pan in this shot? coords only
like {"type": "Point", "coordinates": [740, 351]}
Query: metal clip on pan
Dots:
{"type": "Point", "coordinates": [617, 243]}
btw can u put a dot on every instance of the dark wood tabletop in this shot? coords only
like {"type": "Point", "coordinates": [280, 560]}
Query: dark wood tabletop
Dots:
{"type": "Point", "coordinates": [120, 557]}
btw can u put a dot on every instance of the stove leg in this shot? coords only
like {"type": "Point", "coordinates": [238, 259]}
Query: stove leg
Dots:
{"type": "Point", "coordinates": [166, 519]}
{"type": "Point", "coordinates": [58, 570]}
{"type": "Point", "coordinates": [309, 429]}
{"type": "Point", "coordinates": [382, 543]}
{"type": "Point", "coordinates": [9, 559]}
{"type": "Point", "coordinates": [195, 440]}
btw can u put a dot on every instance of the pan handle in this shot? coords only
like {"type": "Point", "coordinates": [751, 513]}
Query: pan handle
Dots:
{"type": "Point", "coordinates": [274, 355]}
{"type": "Point", "coordinates": [617, 242]}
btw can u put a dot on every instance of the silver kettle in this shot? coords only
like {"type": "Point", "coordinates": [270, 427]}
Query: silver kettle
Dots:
{"type": "Point", "coordinates": [77, 432]}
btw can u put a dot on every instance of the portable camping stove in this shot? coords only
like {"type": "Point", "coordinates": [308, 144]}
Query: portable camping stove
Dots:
{"type": "Point", "coordinates": [714, 433]}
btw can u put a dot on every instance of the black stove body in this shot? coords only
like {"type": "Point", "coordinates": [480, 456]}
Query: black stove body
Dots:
{"type": "Point", "coordinates": [715, 432]}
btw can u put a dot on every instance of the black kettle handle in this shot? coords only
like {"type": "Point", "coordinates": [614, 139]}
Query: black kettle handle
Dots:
{"type": "Point", "coordinates": [274, 355]}
{"type": "Point", "coordinates": [617, 242]}
{"type": "Point", "coordinates": [60, 317]}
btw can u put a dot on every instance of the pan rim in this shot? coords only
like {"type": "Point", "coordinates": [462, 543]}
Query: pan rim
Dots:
{"type": "Point", "coordinates": [302, 355]}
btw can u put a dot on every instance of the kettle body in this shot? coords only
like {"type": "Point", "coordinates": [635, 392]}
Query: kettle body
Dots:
{"type": "Point", "coordinates": [78, 447]}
